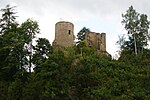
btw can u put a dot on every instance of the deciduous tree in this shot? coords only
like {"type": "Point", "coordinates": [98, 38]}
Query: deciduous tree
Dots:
{"type": "Point", "coordinates": [137, 26]}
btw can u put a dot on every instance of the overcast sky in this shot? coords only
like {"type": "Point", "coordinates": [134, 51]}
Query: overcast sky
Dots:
{"type": "Point", "coordinates": [98, 15]}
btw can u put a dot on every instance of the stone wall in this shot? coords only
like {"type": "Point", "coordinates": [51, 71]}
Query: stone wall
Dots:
{"type": "Point", "coordinates": [96, 40]}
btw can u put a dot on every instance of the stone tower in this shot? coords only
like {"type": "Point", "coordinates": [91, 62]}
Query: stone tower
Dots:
{"type": "Point", "coordinates": [64, 34]}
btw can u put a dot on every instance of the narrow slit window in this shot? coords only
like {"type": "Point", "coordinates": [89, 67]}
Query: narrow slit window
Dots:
{"type": "Point", "coordinates": [69, 32]}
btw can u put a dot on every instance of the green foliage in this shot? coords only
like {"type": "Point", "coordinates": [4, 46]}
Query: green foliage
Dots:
{"type": "Point", "coordinates": [141, 59]}
{"type": "Point", "coordinates": [15, 90]}
{"type": "Point", "coordinates": [8, 18]}
{"type": "Point", "coordinates": [83, 49]}
{"type": "Point", "coordinates": [11, 53]}
{"type": "Point", "coordinates": [76, 73]}
{"type": "Point", "coordinates": [29, 29]}
{"type": "Point", "coordinates": [3, 90]}
{"type": "Point", "coordinates": [137, 26]}
{"type": "Point", "coordinates": [81, 34]}
{"type": "Point", "coordinates": [41, 52]}
{"type": "Point", "coordinates": [50, 82]}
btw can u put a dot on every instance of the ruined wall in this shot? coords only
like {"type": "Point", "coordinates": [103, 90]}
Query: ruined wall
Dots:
{"type": "Point", "coordinates": [96, 40]}
{"type": "Point", "coordinates": [103, 39]}
{"type": "Point", "coordinates": [64, 34]}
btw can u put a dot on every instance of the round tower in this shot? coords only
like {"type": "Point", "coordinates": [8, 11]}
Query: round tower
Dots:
{"type": "Point", "coordinates": [64, 34]}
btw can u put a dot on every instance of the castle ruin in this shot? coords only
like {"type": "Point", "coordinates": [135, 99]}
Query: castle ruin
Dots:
{"type": "Point", "coordinates": [64, 37]}
{"type": "Point", "coordinates": [96, 40]}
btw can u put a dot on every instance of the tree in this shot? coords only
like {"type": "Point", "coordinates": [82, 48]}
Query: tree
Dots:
{"type": "Point", "coordinates": [8, 18]}
{"type": "Point", "coordinates": [143, 35]}
{"type": "Point", "coordinates": [81, 34]}
{"type": "Point", "coordinates": [50, 81]}
{"type": "Point", "coordinates": [11, 45]}
{"type": "Point", "coordinates": [137, 27]}
{"type": "Point", "coordinates": [80, 44]}
{"type": "Point", "coordinates": [41, 52]}
{"type": "Point", "coordinates": [12, 54]}
{"type": "Point", "coordinates": [29, 28]}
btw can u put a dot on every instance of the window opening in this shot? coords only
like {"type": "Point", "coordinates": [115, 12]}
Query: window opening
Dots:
{"type": "Point", "coordinates": [69, 32]}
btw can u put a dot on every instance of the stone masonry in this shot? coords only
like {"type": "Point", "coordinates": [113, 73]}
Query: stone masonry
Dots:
{"type": "Point", "coordinates": [64, 37]}
{"type": "Point", "coordinates": [96, 40]}
{"type": "Point", "coordinates": [64, 34]}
